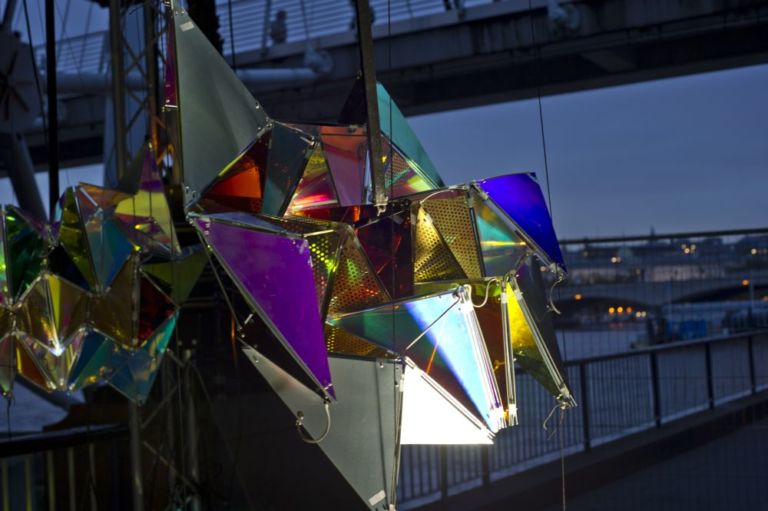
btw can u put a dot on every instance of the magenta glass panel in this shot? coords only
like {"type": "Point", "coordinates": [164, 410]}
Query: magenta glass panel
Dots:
{"type": "Point", "coordinates": [520, 197]}
{"type": "Point", "coordinates": [275, 274]}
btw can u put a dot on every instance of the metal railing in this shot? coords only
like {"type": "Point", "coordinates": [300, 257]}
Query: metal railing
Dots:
{"type": "Point", "coordinates": [305, 20]}
{"type": "Point", "coordinates": [58, 470]}
{"type": "Point", "coordinates": [618, 394]}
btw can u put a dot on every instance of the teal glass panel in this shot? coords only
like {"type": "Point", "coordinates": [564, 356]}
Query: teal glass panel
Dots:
{"type": "Point", "coordinates": [134, 371]}
{"type": "Point", "coordinates": [397, 129]}
{"type": "Point", "coordinates": [289, 151]}
{"type": "Point", "coordinates": [25, 250]}
{"type": "Point", "coordinates": [93, 363]}
{"type": "Point", "coordinates": [502, 249]}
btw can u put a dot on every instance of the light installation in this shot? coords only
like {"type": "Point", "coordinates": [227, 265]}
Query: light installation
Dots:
{"type": "Point", "coordinates": [409, 316]}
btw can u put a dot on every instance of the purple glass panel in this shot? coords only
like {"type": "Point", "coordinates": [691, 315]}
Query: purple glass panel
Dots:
{"type": "Point", "coordinates": [170, 69]}
{"type": "Point", "coordinates": [276, 274]}
{"type": "Point", "coordinates": [520, 197]}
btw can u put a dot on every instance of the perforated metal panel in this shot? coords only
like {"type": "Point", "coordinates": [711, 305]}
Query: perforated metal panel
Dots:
{"type": "Point", "coordinates": [356, 286]}
{"type": "Point", "coordinates": [432, 260]}
{"type": "Point", "coordinates": [453, 220]}
{"type": "Point", "coordinates": [340, 341]}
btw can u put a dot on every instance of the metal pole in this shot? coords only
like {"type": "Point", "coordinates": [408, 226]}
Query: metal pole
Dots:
{"type": "Point", "coordinates": [655, 389]}
{"type": "Point", "coordinates": [365, 38]}
{"type": "Point", "coordinates": [194, 471]}
{"type": "Point", "coordinates": [151, 63]}
{"type": "Point", "coordinates": [585, 426]}
{"type": "Point", "coordinates": [710, 383]}
{"type": "Point", "coordinates": [751, 355]}
{"type": "Point", "coordinates": [137, 483]}
{"type": "Point", "coordinates": [118, 86]}
{"type": "Point", "coordinates": [53, 114]}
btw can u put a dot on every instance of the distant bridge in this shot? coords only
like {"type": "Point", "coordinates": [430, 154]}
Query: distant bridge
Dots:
{"type": "Point", "coordinates": [433, 60]}
{"type": "Point", "coordinates": [653, 294]}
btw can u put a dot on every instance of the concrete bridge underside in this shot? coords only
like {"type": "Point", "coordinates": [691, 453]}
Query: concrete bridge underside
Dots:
{"type": "Point", "coordinates": [496, 52]}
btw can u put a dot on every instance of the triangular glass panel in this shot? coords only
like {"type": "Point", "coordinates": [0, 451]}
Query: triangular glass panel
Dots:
{"type": "Point", "coordinates": [146, 216]}
{"type": "Point", "coordinates": [112, 311]}
{"type": "Point", "coordinates": [289, 150]}
{"type": "Point", "coordinates": [94, 361]}
{"type": "Point", "coordinates": [56, 366]}
{"type": "Point", "coordinates": [274, 274]}
{"type": "Point", "coordinates": [452, 217]}
{"type": "Point", "coordinates": [356, 286]}
{"type": "Point", "coordinates": [365, 420]}
{"type": "Point", "coordinates": [441, 334]}
{"type": "Point", "coordinates": [25, 248]}
{"type": "Point", "coordinates": [502, 249]}
{"type": "Point", "coordinates": [346, 151]}
{"type": "Point", "coordinates": [134, 371]}
{"type": "Point", "coordinates": [519, 197]}
{"type": "Point", "coordinates": [73, 238]}
{"type": "Point", "coordinates": [61, 264]}
{"type": "Point", "coordinates": [400, 179]}
{"type": "Point", "coordinates": [316, 186]}
{"type": "Point", "coordinates": [432, 260]}
{"type": "Point", "coordinates": [432, 416]}
{"type": "Point", "coordinates": [387, 243]}
{"type": "Point", "coordinates": [397, 129]}
{"type": "Point", "coordinates": [155, 307]}
{"type": "Point", "coordinates": [177, 278]}
{"type": "Point", "coordinates": [28, 368]}
{"type": "Point", "coordinates": [532, 333]}
{"type": "Point", "coordinates": [52, 311]}
{"type": "Point", "coordinates": [240, 186]}
{"type": "Point", "coordinates": [109, 247]}
{"type": "Point", "coordinates": [219, 115]}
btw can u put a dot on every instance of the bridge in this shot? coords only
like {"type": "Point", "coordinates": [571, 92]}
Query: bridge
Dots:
{"type": "Point", "coordinates": [487, 52]}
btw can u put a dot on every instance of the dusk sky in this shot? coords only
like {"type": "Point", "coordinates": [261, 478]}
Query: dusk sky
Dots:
{"type": "Point", "coordinates": [679, 154]}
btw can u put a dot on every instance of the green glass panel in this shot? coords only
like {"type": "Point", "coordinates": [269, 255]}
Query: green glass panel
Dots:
{"type": "Point", "coordinates": [502, 249]}
{"type": "Point", "coordinates": [94, 362]}
{"type": "Point", "coordinates": [26, 249]}
{"type": "Point", "coordinates": [397, 129]}
{"type": "Point", "coordinates": [177, 278]}
{"type": "Point", "coordinates": [289, 151]}
{"type": "Point", "coordinates": [133, 371]}
{"type": "Point", "coordinates": [72, 236]}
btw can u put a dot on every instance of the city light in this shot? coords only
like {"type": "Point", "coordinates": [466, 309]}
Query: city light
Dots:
{"type": "Point", "coordinates": [611, 310]}
{"type": "Point", "coordinates": [629, 310]}
{"type": "Point", "coordinates": [753, 251]}
{"type": "Point", "coordinates": [577, 297]}
{"type": "Point", "coordinates": [745, 282]}
{"type": "Point", "coordinates": [620, 310]}
{"type": "Point", "coordinates": [615, 259]}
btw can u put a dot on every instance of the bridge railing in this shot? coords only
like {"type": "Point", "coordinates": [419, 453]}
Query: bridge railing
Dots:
{"type": "Point", "coordinates": [642, 290]}
{"type": "Point", "coordinates": [619, 394]}
{"type": "Point", "coordinates": [58, 470]}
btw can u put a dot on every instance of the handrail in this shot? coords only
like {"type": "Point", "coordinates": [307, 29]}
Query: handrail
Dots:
{"type": "Point", "coordinates": [674, 235]}
{"type": "Point", "coordinates": [51, 440]}
{"type": "Point", "coordinates": [671, 346]}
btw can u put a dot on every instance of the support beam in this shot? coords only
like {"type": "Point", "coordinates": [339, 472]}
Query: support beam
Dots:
{"type": "Point", "coordinates": [53, 113]}
{"type": "Point", "coordinates": [118, 86]}
{"type": "Point", "coordinates": [368, 67]}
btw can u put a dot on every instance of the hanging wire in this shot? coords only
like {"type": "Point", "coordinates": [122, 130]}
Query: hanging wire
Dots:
{"type": "Point", "coordinates": [233, 57]}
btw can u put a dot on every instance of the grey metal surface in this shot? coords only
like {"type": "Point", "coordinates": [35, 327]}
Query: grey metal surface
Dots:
{"type": "Point", "coordinates": [219, 117]}
{"type": "Point", "coordinates": [361, 441]}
